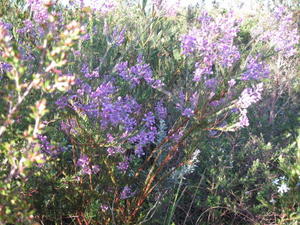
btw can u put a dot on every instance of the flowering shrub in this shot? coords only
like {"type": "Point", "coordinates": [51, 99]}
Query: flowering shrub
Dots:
{"type": "Point", "coordinates": [121, 103]}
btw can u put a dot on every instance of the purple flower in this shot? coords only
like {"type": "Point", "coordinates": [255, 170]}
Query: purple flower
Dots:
{"type": "Point", "coordinates": [139, 150]}
{"type": "Point", "coordinates": [87, 74]}
{"type": "Point", "coordinates": [160, 110]}
{"type": "Point", "coordinates": [188, 43]}
{"type": "Point", "coordinates": [176, 136]}
{"type": "Point", "coordinates": [256, 69]}
{"type": "Point", "coordinates": [83, 161]}
{"type": "Point", "coordinates": [62, 102]}
{"type": "Point", "coordinates": [77, 52]}
{"type": "Point", "coordinates": [40, 11]}
{"type": "Point", "coordinates": [250, 96]}
{"type": "Point", "coordinates": [205, 19]}
{"type": "Point", "coordinates": [86, 168]}
{"type": "Point", "coordinates": [215, 103]}
{"type": "Point", "coordinates": [181, 100]}
{"type": "Point", "coordinates": [188, 112]}
{"type": "Point", "coordinates": [137, 72]}
{"type": "Point", "coordinates": [281, 33]}
{"type": "Point", "coordinates": [95, 169]}
{"type": "Point", "coordinates": [279, 12]}
{"type": "Point", "coordinates": [149, 119]}
{"type": "Point", "coordinates": [85, 68]}
{"type": "Point", "coordinates": [231, 83]}
{"type": "Point", "coordinates": [143, 138]}
{"type": "Point", "coordinates": [201, 69]}
{"type": "Point", "coordinates": [213, 42]}
{"type": "Point", "coordinates": [114, 150]}
{"type": "Point", "coordinates": [86, 37]}
{"type": "Point", "coordinates": [5, 67]}
{"type": "Point", "coordinates": [28, 27]}
{"type": "Point", "coordinates": [84, 89]}
{"type": "Point", "coordinates": [124, 72]}
{"type": "Point", "coordinates": [101, 7]}
{"type": "Point", "coordinates": [212, 83]}
{"type": "Point", "coordinates": [243, 120]}
{"type": "Point", "coordinates": [119, 112]}
{"type": "Point", "coordinates": [104, 207]}
{"type": "Point", "coordinates": [110, 138]}
{"type": "Point", "coordinates": [93, 74]}
{"type": "Point", "coordinates": [104, 90]}
{"type": "Point", "coordinates": [286, 37]}
{"type": "Point", "coordinates": [118, 36]}
{"type": "Point", "coordinates": [194, 99]}
{"type": "Point", "coordinates": [157, 84]}
{"type": "Point", "coordinates": [69, 126]}
{"type": "Point", "coordinates": [126, 192]}
{"type": "Point", "coordinates": [142, 70]}
{"type": "Point", "coordinates": [6, 26]}
{"type": "Point", "coordinates": [123, 166]}
{"type": "Point", "coordinates": [47, 147]}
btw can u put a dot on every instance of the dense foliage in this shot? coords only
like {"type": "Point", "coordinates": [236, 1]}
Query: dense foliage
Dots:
{"type": "Point", "coordinates": [123, 113]}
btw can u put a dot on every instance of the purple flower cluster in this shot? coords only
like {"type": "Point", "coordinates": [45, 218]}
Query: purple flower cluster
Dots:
{"type": "Point", "coordinates": [181, 101]}
{"type": "Point", "coordinates": [87, 73]}
{"type": "Point", "coordinates": [281, 32]}
{"type": "Point", "coordinates": [211, 83]}
{"type": "Point", "coordinates": [188, 112]}
{"type": "Point", "coordinates": [62, 102]}
{"type": "Point", "coordinates": [124, 165]}
{"type": "Point", "coordinates": [47, 148]}
{"type": "Point", "coordinates": [40, 11]}
{"type": "Point", "coordinates": [194, 99]}
{"type": "Point", "coordinates": [187, 107]}
{"type": "Point", "coordinates": [5, 67]}
{"type": "Point", "coordinates": [213, 42]}
{"type": "Point", "coordinates": [103, 105]}
{"type": "Point", "coordinates": [28, 27]}
{"type": "Point", "coordinates": [118, 36]}
{"type": "Point", "coordinates": [248, 97]}
{"type": "Point", "coordinates": [119, 112]}
{"type": "Point", "coordinates": [149, 119]}
{"type": "Point", "coordinates": [85, 165]}
{"type": "Point", "coordinates": [6, 26]}
{"type": "Point", "coordinates": [256, 69]}
{"type": "Point", "coordinates": [287, 36]}
{"type": "Point", "coordinates": [176, 136]}
{"type": "Point", "coordinates": [243, 119]}
{"type": "Point", "coordinates": [69, 126]}
{"type": "Point", "coordinates": [135, 73]}
{"type": "Point", "coordinates": [188, 43]}
{"type": "Point", "coordinates": [111, 151]}
{"type": "Point", "coordinates": [126, 193]}
{"type": "Point", "coordinates": [161, 110]}
{"type": "Point", "coordinates": [118, 150]}
{"type": "Point", "coordinates": [146, 135]}
{"type": "Point", "coordinates": [86, 37]}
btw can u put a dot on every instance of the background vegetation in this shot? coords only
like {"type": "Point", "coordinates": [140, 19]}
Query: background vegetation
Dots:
{"type": "Point", "coordinates": [120, 113]}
